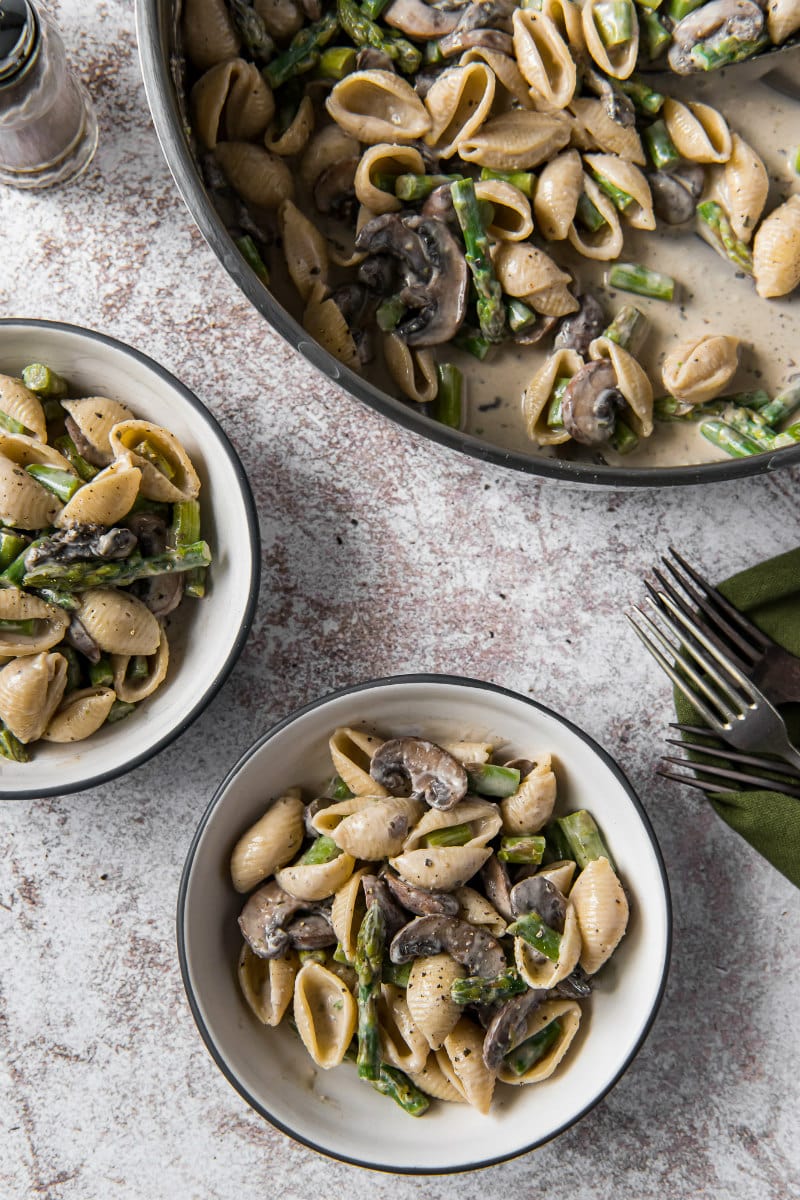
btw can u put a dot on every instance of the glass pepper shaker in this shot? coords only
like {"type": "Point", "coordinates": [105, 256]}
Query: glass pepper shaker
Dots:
{"type": "Point", "coordinates": [48, 130]}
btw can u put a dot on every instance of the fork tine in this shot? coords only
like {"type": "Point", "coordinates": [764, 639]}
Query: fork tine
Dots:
{"type": "Point", "coordinates": [722, 659]}
{"type": "Point", "coordinates": [698, 680]}
{"type": "Point", "coordinates": [711, 718]}
{"type": "Point", "coordinates": [733, 776]}
{"type": "Point", "coordinates": [752, 760]}
{"type": "Point", "coordinates": [698, 730]}
{"type": "Point", "coordinates": [743, 656]}
{"type": "Point", "coordinates": [747, 629]}
{"type": "Point", "coordinates": [687, 781]}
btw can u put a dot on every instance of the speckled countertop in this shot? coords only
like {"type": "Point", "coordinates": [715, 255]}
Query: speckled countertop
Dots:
{"type": "Point", "coordinates": [381, 553]}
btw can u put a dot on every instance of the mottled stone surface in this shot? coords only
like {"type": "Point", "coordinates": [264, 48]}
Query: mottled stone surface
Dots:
{"type": "Point", "coordinates": [381, 554]}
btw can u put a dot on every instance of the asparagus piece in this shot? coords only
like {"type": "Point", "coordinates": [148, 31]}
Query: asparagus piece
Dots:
{"type": "Point", "coordinates": [633, 277]}
{"type": "Point", "coordinates": [61, 483]}
{"type": "Point", "coordinates": [710, 56]}
{"type": "Point", "coordinates": [374, 8]}
{"type": "Point", "coordinates": [15, 572]}
{"type": "Point", "coordinates": [525, 181]}
{"type": "Point", "coordinates": [526, 848]}
{"type": "Point", "coordinates": [11, 747]}
{"type": "Point", "coordinates": [667, 408]}
{"type": "Point", "coordinates": [11, 546]}
{"type": "Point", "coordinates": [317, 956]}
{"type": "Point", "coordinates": [487, 779]}
{"type": "Point", "coordinates": [789, 437]}
{"type": "Point", "coordinates": [99, 573]}
{"type": "Point", "coordinates": [660, 146]}
{"type": "Point", "coordinates": [147, 449]}
{"type": "Point", "coordinates": [520, 317]}
{"type": "Point", "coordinates": [337, 789]}
{"type": "Point", "coordinates": [25, 627]}
{"type": "Point", "coordinates": [369, 965]}
{"type": "Point", "coordinates": [390, 313]}
{"type": "Point", "coordinates": [623, 439]}
{"type": "Point", "coordinates": [678, 9]}
{"type": "Point", "coordinates": [335, 62]}
{"type": "Point", "coordinates": [391, 1082]}
{"type": "Point", "coordinates": [473, 343]}
{"type": "Point", "coordinates": [322, 850]}
{"type": "Point", "coordinates": [365, 32]}
{"type": "Point", "coordinates": [252, 29]}
{"type": "Point", "coordinates": [491, 312]}
{"type": "Point", "coordinates": [794, 160]}
{"type": "Point", "coordinates": [475, 989]}
{"type": "Point", "coordinates": [74, 669]}
{"type": "Point", "coordinates": [45, 382]}
{"type": "Point", "coordinates": [249, 252]}
{"type": "Point", "coordinates": [100, 673]}
{"type": "Point", "coordinates": [396, 973]}
{"type": "Point", "coordinates": [452, 835]}
{"type": "Point", "coordinates": [532, 929]}
{"type": "Point", "coordinates": [614, 21]}
{"type": "Point", "coordinates": [785, 403]}
{"type": "Point", "coordinates": [557, 848]}
{"type": "Point", "coordinates": [12, 426]}
{"type": "Point", "coordinates": [644, 98]}
{"type": "Point", "coordinates": [737, 444]}
{"type": "Point", "coordinates": [656, 34]}
{"type": "Point", "coordinates": [410, 187]}
{"type": "Point", "coordinates": [720, 235]}
{"type": "Point", "coordinates": [67, 447]}
{"type": "Point", "coordinates": [447, 405]}
{"type": "Point", "coordinates": [588, 214]}
{"type": "Point", "coordinates": [339, 955]}
{"type": "Point", "coordinates": [303, 52]}
{"type": "Point", "coordinates": [523, 1057]}
{"type": "Point", "coordinates": [185, 531]}
{"type": "Point", "coordinates": [628, 329]}
{"type": "Point", "coordinates": [60, 598]}
{"type": "Point", "coordinates": [555, 419]}
{"type": "Point", "coordinates": [651, 5]}
{"type": "Point", "coordinates": [621, 200]}
{"type": "Point", "coordinates": [583, 837]}
{"type": "Point", "coordinates": [138, 667]}
{"type": "Point", "coordinates": [750, 423]}
{"type": "Point", "coordinates": [118, 711]}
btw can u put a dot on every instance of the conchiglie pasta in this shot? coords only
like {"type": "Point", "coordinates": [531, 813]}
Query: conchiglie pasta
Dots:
{"type": "Point", "coordinates": [351, 751]}
{"type": "Point", "coordinates": [315, 881]}
{"type": "Point", "coordinates": [517, 140]}
{"type": "Point", "coordinates": [459, 101]}
{"type": "Point", "coordinates": [295, 137]}
{"type": "Point", "coordinates": [628, 178]}
{"type": "Point", "coordinates": [544, 59]}
{"type": "Point", "coordinates": [412, 369]}
{"type": "Point", "coordinates": [632, 382]}
{"type": "Point", "coordinates": [347, 912]}
{"type": "Point", "coordinates": [267, 983]}
{"type": "Point", "coordinates": [31, 689]}
{"type": "Point", "coordinates": [617, 61]}
{"type": "Point", "coordinates": [271, 842]}
{"type": "Point", "coordinates": [139, 688]}
{"type": "Point", "coordinates": [476, 909]}
{"type": "Point", "coordinates": [118, 622]}
{"type": "Point", "coordinates": [524, 270]}
{"type": "Point", "coordinates": [167, 471]}
{"type": "Point", "coordinates": [745, 185]}
{"type": "Point", "coordinates": [563, 364]}
{"type": "Point", "coordinates": [259, 177]}
{"type": "Point", "coordinates": [568, 1015]}
{"type": "Point", "coordinates": [49, 622]}
{"type": "Point", "coordinates": [783, 19]}
{"type": "Point", "coordinates": [24, 503]}
{"type": "Point", "coordinates": [511, 210]}
{"type": "Point", "coordinates": [106, 499]}
{"type": "Point", "coordinates": [324, 1013]}
{"type": "Point", "coordinates": [305, 249]}
{"type": "Point", "coordinates": [231, 103]}
{"type": "Point", "coordinates": [433, 1082]}
{"type": "Point", "coordinates": [605, 243]}
{"type": "Point", "coordinates": [539, 971]}
{"type": "Point", "coordinates": [324, 321]}
{"type": "Point", "coordinates": [531, 806]}
{"type": "Point", "coordinates": [403, 1045]}
{"type": "Point", "coordinates": [510, 86]}
{"type": "Point", "coordinates": [21, 404]}
{"type": "Point", "coordinates": [776, 251]}
{"type": "Point", "coordinates": [699, 133]}
{"type": "Point", "coordinates": [428, 996]}
{"type": "Point", "coordinates": [80, 715]}
{"type": "Point", "coordinates": [24, 451]}
{"type": "Point", "coordinates": [378, 106]}
{"type": "Point", "coordinates": [379, 829]}
{"type": "Point", "coordinates": [208, 33]}
{"type": "Point", "coordinates": [464, 1050]}
{"type": "Point", "coordinates": [557, 194]}
{"type": "Point", "coordinates": [95, 417]}
{"type": "Point", "coordinates": [387, 160]}
{"type": "Point", "coordinates": [699, 369]}
{"type": "Point", "coordinates": [604, 133]}
{"type": "Point", "coordinates": [601, 909]}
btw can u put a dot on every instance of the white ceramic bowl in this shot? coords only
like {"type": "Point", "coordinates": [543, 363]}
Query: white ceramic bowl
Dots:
{"type": "Point", "coordinates": [332, 1111]}
{"type": "Point", "coordinates": [206, 637]}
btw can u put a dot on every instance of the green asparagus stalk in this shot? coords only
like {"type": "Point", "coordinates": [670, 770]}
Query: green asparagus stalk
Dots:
{"type": "Point", "coordinates": [487, 779]}
{"type": "Point", "coordinates": [100, 673]}
{"type": "Point", "coordinates": [656, 34]}
{"type": "Point", "coordinates": [61, 483]}
{"type": "Point", "coordinates": [12, 426]}
{"type": "Point", "coordinates": [99, 573]}
{"type": "Point", "coordinates": [250, 253]}
{"type": "Point", "coordinates": [583, 837]}
{"type": "Point", "coordinates": [557, 848]}
{"type": "Point", "coordinates": [660, 146]}
{"type": "Point", "coordinates": [185, 527]}
{"type": "Point", "coordinates": [118, 711]}
{"type": "Point", "coordinates": [475, 989]}
{"type": "Point", "coordinates": [710, 56]}
{"type": "Point", "coordinates": [633, 277]}
{"type": "Point", "coordinates": [15, 571]}
{"type": "Point", "coordinates": [529, 1052]}
{"type": "Point", "coordinates": [588, 214]}
{"type": "Point", "coordinates": [628, 329]}
{"type": "Point", "coordinates": [676, 10]}
{"type": "Point", "coordinates": [623, 439]}
{"type": "Point", "coordinates": [621, 200]}
{"type": "Point", "coordinates": [74, 668]}
{"type": "Point", "coordinates": [614, 21]}
{"type": "Point", "coordinates": [11, 546]}
{"type": "Point", "coordinates": [649, 5]}
{"type": "Point", "coordinates": [339, 955]}
{"type": "Point", "coordinates": [316, 956]}
{"type": "Point", "coordinates": [374, 8]}
{"type": "Point", "coordinates": [785, 403]}
{"type": "Point", "coordinates": [525, 848]}
{"type": "Point", "coordinates": [668, 408]}
{"type": "Point", "coordinates": [410, 187]}
{"type": "Point", "coordinates": [750, 423]}
{"type": "Point", "coordinates": [391, 1082]}
{"type": "Point", "coordinates": [447, 405]}
{"type": "Point", "coordinates": [23, 627]}
{"type": "Point", "coordinates": [303, 52]}
{"type": "Point", "coordinates": [45, 382]}
{"type": "Point", "coordinates": [532, 929]}
{"type": "Point", "coordinates": [525, 181]}
{"type": "Point", "coordinates": [718, 233]}
{"type": "Point", "coordinates": [138, 667]}
{"type": "Point", "coordinates": [335, 62]}
{"type": "Point", "coordinates": [369, 965]}
{"type": "Point", "coordinates": [252, 29]}
{"type": "Point", "coordinates": [10, 746]}
{"type": "Point", "coordinates": [520, 317]}
{"type": "Point", "coordinates": [148, 450]}
{"type": "Point", "coordinates": [322, 850]}
{"type": "Point", "coordinates": [788, 437]}
{"type": "Point", "coordinates": [337, 789]}
{"type": "Point", "coordinates": [396, 973]}
{"type": "Point", "coordinates": [473, 343]}
{"type": "Point", "coordinates": [451, 835]}
{"type": "Point", "coordinates": [555, 418]}
{"type": "Point", "coordinates": [365, 32]}
{"type": "Point", "coordinates": [390, 313]}
{"type": "Point", "coordinates": [737, 444]}
{"type": "Point", "coordinates": [644, 98]}
{"type": "Point", "coordinates": [67, 447]}
{"type": "Point", "coordinates": [491, 311]}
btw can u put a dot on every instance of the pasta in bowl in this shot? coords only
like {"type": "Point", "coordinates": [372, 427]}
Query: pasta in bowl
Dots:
{"type": "Point", "coordinates": [420, 891]}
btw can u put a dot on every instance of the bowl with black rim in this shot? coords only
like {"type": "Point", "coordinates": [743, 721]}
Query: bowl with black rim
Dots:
{"type": "Point", "coordinates": [205, 635]}
{"type": "Point", "coordinates": [332, 1111]}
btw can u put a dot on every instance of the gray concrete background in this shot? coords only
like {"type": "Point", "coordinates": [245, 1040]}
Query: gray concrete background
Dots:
{"type": "Point", "coordinates": [381, 554]}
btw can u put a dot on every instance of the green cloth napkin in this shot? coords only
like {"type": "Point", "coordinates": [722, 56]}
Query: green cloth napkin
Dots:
{"type": "Point", "coordinates": [769, 821]}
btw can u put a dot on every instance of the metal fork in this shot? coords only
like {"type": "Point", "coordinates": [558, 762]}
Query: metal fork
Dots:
{"type": "Point", "coordinates": [726, 772]}
{"type": "Point", "coordinates": [729, 703]}
{"type": "Point", "coordinates": [771, 668]}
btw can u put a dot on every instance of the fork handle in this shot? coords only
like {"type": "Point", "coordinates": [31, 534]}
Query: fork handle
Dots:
{"type": "Point", "coordinates": [778, 678]}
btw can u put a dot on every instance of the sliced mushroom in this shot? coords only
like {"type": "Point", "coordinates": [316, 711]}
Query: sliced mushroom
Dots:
{"type": "Point", "coordinates": [420, 20]}
{"type": "Point", "coordinates": [576, 986]}
{"type": "Point", "coordinates": [469, 39]}
{"type": "Point", "coordinates": [538, 894]}
{"type": "Point", "coordinates": [578, 330]}
{"type": "Point", "coordinates": [82, 542]}
{"type": "Point", "coordinates": [675, 195]}
{"type": "Point", "coordinates": [334, 191]}
{"type": "Point", "coordinates": [469, 945]}
{"type": "Point", "coordinates": [313, 931]}
{"type": "Point", "coordinates": [79, 637]}
{"type": "Point", "coordinates": [269, 930]}
{"type": "Point", "coordinates": [497, 886]}
{"type": "Point", "coordinates": [711, 24]}
{"type": "Point", "coordinates": [150, 530]}
{"type": "Point", "coordinates": [376, 891]}
{"type": "Point", "coordinates": [440, 205]}
{"type": "Point", "coordinates": [420, 901]}
{"type": "Point", "coordinates": [428, 771]}
{"type": "Point", "coordinates": [509, 1026]}
{"type": "Point", "coordinates": [83, 446]}
{"type": "Point", "coordinates": [591, 402]}
{"type": "Point", "coordinates": [311, 811]}
{"type": "Point", "coordinates": [369, 58]}
{"type": "Point", "coordinates": [162, 594]}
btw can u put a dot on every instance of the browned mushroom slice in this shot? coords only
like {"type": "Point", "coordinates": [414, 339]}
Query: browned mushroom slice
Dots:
{"type": "Point", "coordinates": [264, 919]}
{"type": "Point", "coordinates": [497, 886]}
{"type": "Point", "coordinates": [334, 191]}
{"type": "Point", "coordinates": [419, 20]}
{"type": "Point", "coordinates": [675, 194]}
{"type": "Point", "coordinates": [591, 402]}
{"type": "Point", "coordinates": [462, 40]}
{"type": "Point", "coordinates": [469, 945]}
{"type": "Point", "coordinates": [710, 25]}
{"type": "Point", "coordinates": [420, 901]}
{"type": "Point", "coordinates": [578, 330]}
{"type": "Point", "coordinates": [312, 931]}
{"type": "Point", "coordinates": [421, 767]}
{"type": "Point", "coordinates": [509, 1026]}
{"type": "Point", "coordinates": [576, 986]}
{"type": "Point", "coordinates": [376, 891]}
{"type": "Point", "coordinates": [539, 894]}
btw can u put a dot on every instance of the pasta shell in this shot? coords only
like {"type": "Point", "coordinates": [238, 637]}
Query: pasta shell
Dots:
{"type": "Point", "coordinates": [446, 1071]}
{"type": "Point", "coordinates": [281, 17]}
{"type": "Point", "coordinates": [208, 33]}
{"type": "Point", "coordinates": [606, 242]}
{"type": "Point", "coordinates": [348, 911]}
{"type": "Point", "coordinates": [326, 820]}
{"type": "Point", "coordinates": [464, 1049]}
{"type": "Point", "coordinates": [304, 248]}
{"type": "Point", "coordinates": [558, 191]}
{"type": "Point", "coordinates": [566, 16]}
{"type": "Point", "coordinates": [540, 972]}
{"type": "Point", "coordinates": [23, 451]}
{"type": "Point", "coordinates": [511, 210]}
{"type": "Point", "coordinates": [118, 622]}
{"type": "Point", "coordinates": [783, 19]}
{"type": "Point", "coordinates": [182, 484]}
{"type": "Point", "coordinates": [482, 817]}
{"type": "Point", "coordinates": [351, 751]}
{"type": "Point", "coordinates": [81, 715]}
{"type": "Point", "coordinates": [476, 909]}
{"type": "Point", "coordinates": [294, 138]}
{"type": "Point", "coordinates": [106, 499]}
{"type": "Point", "coordinates": [745, 185]}
{"type": "Point", "coordinates": [523, 270]}
{"type": "Point", "coordinates": [267, 983]}
{"type": "Point", "coordinates": [544, 59]}
{"type": "Point", "coordinates": [24, 503]}
{"type": "Point", "coordinates": [23, 405]}
{"type": "Point", "coordinates": [433, 1082]}
{"type": "Point", "coordinates": [560, 874]}
{"type": "Point", "coordinates": [271, 842]}
{"type": "Point", "coordinates": [379, 829]}
{"type": "Point", "coordinates": [628, 178]}
{"type": "Point", "coordinates": [30, 692]}
{"type": "Point", "coordinates": [50, 622]}
{"type": "Point", "coordinates": [324, 1013]}
{"type": "Point", "coordinates": [568, 1014]}
{"type": "Point", "coordinates": [617, 61]}
{"type": "Point", "coordinates": [231, 102]}
{"type": "Point", "coordinates": [698, 131]}
{"type": "Point", "coordinates": [700, 368]}
{"type": "Point", "coordinates": [412, 369]}
{"type": "Point", "coordinates": [324, 321]}
{"type": "Point", "coordinates": [388, 160]}
{"type": "Point", "coordinates": [134, 690]}
{"type": "Point", "coordinates": [315, 881]}
{"type": "Point", "coordinates": [601, 910]}
{"type": "Point", "coordinates": [531, 806]}
{"type": "Point", "coordinates": [516, 141]}
{"type": "Point", "coordinates": [329, 146]}
{"type": "Point", "coordinates": [259, 177]}
{"type": "Point", "coordinates": [459, 101]}
{"type": "Point", "coordinates": [442, 869]}
{"type": "Point", "coordinates": [535, 402]}
{"type": "Point", "coordinates": [776, 251]}
{"type": "Point", "coordinates": [433, 1011]}
{"type": "Point", "coordinates": [95, 417]}
{"type": "Point", "coordinates": [605, 133]}
{"type": "Point", "coordinates": [378, 106]}
{"type": "Point", "coordinates": [403, 1045]}
{"type": "Point", "coordinates": [469, 752]}
{"type": "Point", "coordinates": [513, 88]}
{"type": "Point", "coordinates": [632, 381]}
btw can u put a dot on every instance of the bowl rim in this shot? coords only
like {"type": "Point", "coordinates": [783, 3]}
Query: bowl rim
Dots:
{"type": "Point", "coordinates": [160, 92]}
{"type": "Point", "coordinates": [254, 541]}
{"type": "Point", "coordinates": [353, 689]}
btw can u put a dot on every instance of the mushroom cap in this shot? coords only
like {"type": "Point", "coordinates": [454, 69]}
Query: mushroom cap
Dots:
{"type": "Point", "coordinates": [432, 774]}
{"type": "Point", "coordinates": [578, 330]}
{"type": "Point", "coordinates": [469, 945]}
{"type": "Point", "coordinates": [509, 1026]}
{"type": "Point", "coordinates": [497, 886]}
{"type": "Point", "coordinates": [419, 900]}
{"type": "Point", "coordinates": [539, 894]}
{"type": "Point", "coordinates": [739, 19]}
{"type": "Point", "coordinates": [590, 403]}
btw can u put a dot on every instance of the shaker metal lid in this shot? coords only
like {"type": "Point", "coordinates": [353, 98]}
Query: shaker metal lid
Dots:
{"type": "Point", "coordinates": [18, 34]}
